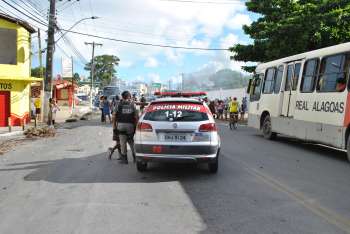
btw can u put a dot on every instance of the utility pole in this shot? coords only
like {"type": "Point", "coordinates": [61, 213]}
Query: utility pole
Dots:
{"type": "Point", "coordinates": [40, 56]}
{"type": "Point", "coordinates": [93, 44]}
{"type": "Point", "coordinates": [49, 60]}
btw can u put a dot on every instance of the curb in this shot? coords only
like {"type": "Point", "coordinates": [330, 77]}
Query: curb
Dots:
{"type": "Point", "coordinates": [11, 134]}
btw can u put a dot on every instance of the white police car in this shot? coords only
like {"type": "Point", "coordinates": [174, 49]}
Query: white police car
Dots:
{"type": "Point", "coordinates": [177, 130]}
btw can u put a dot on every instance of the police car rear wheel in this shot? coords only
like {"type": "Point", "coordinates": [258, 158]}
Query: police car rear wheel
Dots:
{"type": "Point", "coordinates": [213, 166]}
{"type": "Point", "coordinates": [141, 166]}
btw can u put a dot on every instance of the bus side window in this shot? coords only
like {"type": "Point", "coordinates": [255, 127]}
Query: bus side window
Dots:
{"type": "Point", "coordinates": [288, 84]}
{"type": "Point", "coordinates": [256, 90]}
{"type": "Point", "coordinates": [269, 81]}
{"type": "Point", "coordinates": [332, 76]}
{"type": "Point", "coordinates": [278, 79]}
{"type": "Point", "coordinates": [309, 75]}
{"type": "Point", "coordinates": [296, 76]}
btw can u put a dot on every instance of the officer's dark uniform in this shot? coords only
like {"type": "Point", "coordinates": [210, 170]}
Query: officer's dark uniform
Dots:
{"type": "Point", "coordinates": [126, 117]}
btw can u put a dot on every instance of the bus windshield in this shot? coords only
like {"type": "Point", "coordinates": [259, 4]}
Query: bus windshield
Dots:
{"type": "Point", "coordinates": [110, 91]}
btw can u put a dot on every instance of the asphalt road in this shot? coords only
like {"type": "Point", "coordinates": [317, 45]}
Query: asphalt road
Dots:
{"type": "Point", "coordinates": [66, 185]}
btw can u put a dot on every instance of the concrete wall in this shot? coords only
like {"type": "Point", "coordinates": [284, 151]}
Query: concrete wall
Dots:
{"type": "Point", "coordinates": [222, 94]}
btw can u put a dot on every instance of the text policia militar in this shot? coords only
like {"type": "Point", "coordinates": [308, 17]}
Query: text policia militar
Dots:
{"type": "Point", "coordinates": [321, 106]}
{"type": "Point", "coordinates": [177, 107]}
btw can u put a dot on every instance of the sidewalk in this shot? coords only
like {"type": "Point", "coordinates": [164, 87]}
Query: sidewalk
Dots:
{"type": "Point", "coordinates": [61, 117]}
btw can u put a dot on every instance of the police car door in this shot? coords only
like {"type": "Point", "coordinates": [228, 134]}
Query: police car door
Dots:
{"type": "Point", "coordinates": [290, 88]}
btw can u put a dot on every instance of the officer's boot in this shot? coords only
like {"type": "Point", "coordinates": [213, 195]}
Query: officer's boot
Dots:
{"type": "Point", "coordinates": [124, 159]}
{"type": "Point", "coordinates": [119, 149]}
{"type": "Point", "coordinates": [134, 157]}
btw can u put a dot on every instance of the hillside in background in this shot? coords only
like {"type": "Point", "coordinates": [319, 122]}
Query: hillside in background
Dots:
{"type": "Point", "coordinates": [222, 79]}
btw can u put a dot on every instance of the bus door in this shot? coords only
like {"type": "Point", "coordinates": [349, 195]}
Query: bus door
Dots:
{"type": "Point", "coordinates": [290, 88]}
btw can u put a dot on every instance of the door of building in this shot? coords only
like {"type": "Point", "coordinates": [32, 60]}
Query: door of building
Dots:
{"type": "Point", "coordinates": [4, 108]}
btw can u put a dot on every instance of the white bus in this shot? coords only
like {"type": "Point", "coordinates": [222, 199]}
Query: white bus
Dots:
{"type": "Point", "coordinates": [306, 96]}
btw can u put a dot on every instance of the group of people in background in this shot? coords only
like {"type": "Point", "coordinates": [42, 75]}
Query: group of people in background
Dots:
{"type": "Point", "coordinates": [36, 110]}
{"type": "Point", "coordinates": [221, 108]}
{"type": "Point", "coordinates": [107, 106]}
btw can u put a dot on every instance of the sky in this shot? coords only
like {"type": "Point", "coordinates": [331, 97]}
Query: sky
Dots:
{"type": "Point", "coordinates": [197, 23]}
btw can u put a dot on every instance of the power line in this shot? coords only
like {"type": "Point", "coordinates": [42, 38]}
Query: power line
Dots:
{"type": "Point", "coordinates": [143, 43]}
{"type": "Point", "coordinates": [69, 43]}
{"type": "Point", "coordinates": [63, 51]}
{"type": "Point", "coordinates": [28, 11]}
{"type": "Point", "coordinates": [10, 13]}
{"type": "Point", "coordinates": [203, 2]}
{"type": "Point", "coordinates": [75, 51]}
{"type": "Point", "coordinates": [34, 19]}
{"type": "Point", "coordinates": [32, 6]}
{"type": "Point", "coordinates": [67, 6]}
{"type": "Point", "coordinates": [36, 4]}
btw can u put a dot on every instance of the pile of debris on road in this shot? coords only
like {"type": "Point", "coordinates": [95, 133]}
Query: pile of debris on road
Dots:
{"type": "Point", "coordinates": [40, 132]}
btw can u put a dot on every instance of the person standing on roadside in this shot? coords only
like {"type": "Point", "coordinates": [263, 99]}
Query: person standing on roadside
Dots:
{"type": "Point", "coordinates": [106, 109]}
{"type": "Point", "coordinates": [115, 130]}
{"type": "Point", "coordinates": [212, 108]}
{"type": "Point", "coordinates": [49, 116]}
{"type": "Point", "coordinates": [100, 105]}
{"type": "Point", "coordinates": [125, 119]}
{"type": "Point", "coordinates": [37, 104]}
{"type": "Point", "coordinates": [220, 109]}
{"type": "Point", "coordinates": [32, 109]}
{"type": "Point", "coordinates": [55, 108]}
{"type": "Point", "coordinates": [142, 103]}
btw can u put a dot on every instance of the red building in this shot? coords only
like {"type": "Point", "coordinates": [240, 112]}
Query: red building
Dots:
{"type": "Point", "coordinates": [63, 92]}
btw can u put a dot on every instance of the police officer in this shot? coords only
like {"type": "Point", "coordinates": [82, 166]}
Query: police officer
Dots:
{"type": "Point", "coordinates": [126, 117]}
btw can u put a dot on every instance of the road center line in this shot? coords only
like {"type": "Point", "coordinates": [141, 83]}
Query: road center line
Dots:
{"type": "Point", "coordinates": [330, 216]}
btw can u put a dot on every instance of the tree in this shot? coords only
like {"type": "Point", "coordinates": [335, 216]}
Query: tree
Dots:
{"type": "Point", "coordinates": [104, 68]}
{"type": "Point", "coordinates": [35, 72]}
{"type": "Point", "coordinates": [76, 77]}
{"type": "Point", "coordinates": [288, 27]}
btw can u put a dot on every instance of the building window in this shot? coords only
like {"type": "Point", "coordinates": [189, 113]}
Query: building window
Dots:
{"type": "Point", "coordinates": [278, 79]}
{"type": "Point", "coordinates": [8, 46]}
{"type": "Point", "coordinates": [332, 77]}
{"type": "Point", "coordinates": [269, 80]}
{"type": "Point", "coordinates": [309, 76]}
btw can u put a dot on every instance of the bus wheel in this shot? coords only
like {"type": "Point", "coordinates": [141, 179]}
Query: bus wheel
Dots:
{"type": "Point", "coordinates": [267, 129]}
{"type": "Point", "coordinates": [348, 149]}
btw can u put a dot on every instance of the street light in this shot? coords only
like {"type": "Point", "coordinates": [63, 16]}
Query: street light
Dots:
{"type": "Point", "coordinates": [78, 22]}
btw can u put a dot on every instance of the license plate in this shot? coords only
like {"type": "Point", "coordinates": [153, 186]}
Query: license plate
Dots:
{"type": "Point", "coordinates": [175, 137]}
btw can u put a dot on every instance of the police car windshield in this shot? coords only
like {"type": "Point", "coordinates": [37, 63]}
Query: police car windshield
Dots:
{"type": "Point", "coordinates": [176, 112]}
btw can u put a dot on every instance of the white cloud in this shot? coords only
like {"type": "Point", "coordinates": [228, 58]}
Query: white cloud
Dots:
{"type": "Point", "coordinates": [174, 56]}
{"type": "Point", "coordinates": [238, 21]}
{"type": "Point", "coordinates": [157, 22]}
{"type": "Point", "coordinates": [125, 64]}
{"type": "Point", "coordinates": [154, 77]}
{"type": "Point", "coordinates": [140, 78]}
{"type": "Point", "coordinates": [151, 62]}
{"type": "Point", "coordinates": [228, 41]}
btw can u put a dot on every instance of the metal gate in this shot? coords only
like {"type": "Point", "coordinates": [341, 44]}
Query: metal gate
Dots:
{"type": "Point", "coordinates": [4, 108]}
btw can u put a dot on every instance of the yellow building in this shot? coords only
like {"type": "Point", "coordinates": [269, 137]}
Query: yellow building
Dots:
{"type": "Point", "coordinates": [15, 66]}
